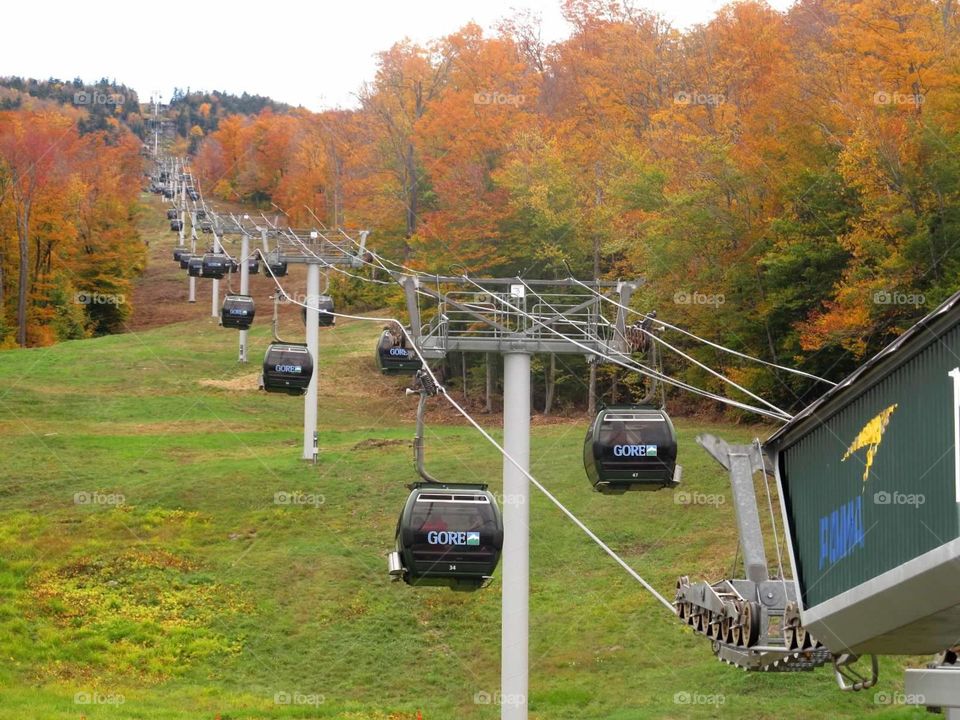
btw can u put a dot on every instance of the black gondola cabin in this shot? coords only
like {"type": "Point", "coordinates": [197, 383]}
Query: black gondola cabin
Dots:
{"type": "Point", "coordinates": [277, 268]}
{"type": "Point", "coordinates": [325, 306]}
{"type": "Point", "coordinates": [215, 265]}
{"type": "Point", "coordinates": [631, 447]}
{"type": "Point", "coordinates": [287, 368]}
{"type": "Point", "coordinates": [449, 536]}
{"type": "Point", "coordinates": [237, 312]}
{"type": "Point", "coordinates": [394, 357]}
{"type": "Point", "coordinates": [194, 266]}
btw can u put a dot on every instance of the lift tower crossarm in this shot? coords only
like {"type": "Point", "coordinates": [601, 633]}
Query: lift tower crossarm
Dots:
{"type": "Point", "coordinates": [742, 461]}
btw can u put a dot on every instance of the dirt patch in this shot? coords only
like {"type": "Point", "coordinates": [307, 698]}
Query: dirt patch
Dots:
{"type": "Point", "coordinates": [372, 443]}
{"type": "Point", "coordinates": [159, 295]}
{"type": "Point", "coordinates": [244, 382]}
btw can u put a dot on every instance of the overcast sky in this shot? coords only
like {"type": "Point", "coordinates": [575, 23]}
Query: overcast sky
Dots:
{"type": "Point", "coordinates": [311, 54]}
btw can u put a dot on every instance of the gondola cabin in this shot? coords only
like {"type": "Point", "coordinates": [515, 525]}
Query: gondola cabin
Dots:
{"type": "Point", "coordinates": [179, 252]}
{"type": "Point", "coordinates": [237, 312]}
{"type": "Point", "coordinates": [253, 265]}
{"type": "Point", "coordinates": [201, 214]}
{"type": "Point", "coordinates": [287, 368]}
{"type": "Point", "coordinates": [194, 266]}
{"type": "Point", "coordinates": [176, 225]}
{"type": "Point", "coordinates": [448, 536]}
{"type": "Point", "coordinates": [325, 306]}
{"type": "Point", "coordinates": [215, 265]}
{"type": "Point", "coordinates": [631, 447]}
{"type": "Point", "coordinates": [277, 268]}
{"type": "Point", "coordinates": [172, 214]}
{"type": "Point", "coordinates": [394, 358]}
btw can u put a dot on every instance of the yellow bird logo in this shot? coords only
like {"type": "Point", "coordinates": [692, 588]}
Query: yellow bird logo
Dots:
{"type": "Point", "coordinates": [870, 438]}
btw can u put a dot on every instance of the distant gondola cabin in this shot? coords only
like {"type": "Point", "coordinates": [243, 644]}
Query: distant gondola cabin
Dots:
{"type": "Point", "coordinates": [287, 368]}
{"type": "Point", "coordinates": [325, 317]}
{"type": "Point", "coordinates": [237, 312]}
{"type": "Point", "coordinates": [631, 447]}
{"type": "Point", "coordinates": [394, 357]}
{"type": "Point", "coordinates": [215, 265]}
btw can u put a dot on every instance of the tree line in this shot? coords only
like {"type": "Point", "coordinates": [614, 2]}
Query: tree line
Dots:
{"type": "Point", "coordinates": [69, 246]}
{"type": "Point", "coordinates": [786, 183]}
{"type": "Point", "coordinates": [70, 175]}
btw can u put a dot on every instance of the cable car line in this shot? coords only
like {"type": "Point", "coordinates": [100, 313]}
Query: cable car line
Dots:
{"type": "Point", "coordinates": [781, 415]}
{"type": "Point", "coordinates": [536, 483]}
{"type": "Point", "coordinates": [293, 236]}
{"type": "Point", "coordinates": [638, 367]}
{"type": "Point", "coordinates": [441, 390]}
{"type": "Point", "coordinates": [705, 341]}
{"type": "Point", "coordinates": [710, 370]}
{"type": "Point", "coordinates": [715, 345]}
{"type": "Point", "coordinates": [653, 336]}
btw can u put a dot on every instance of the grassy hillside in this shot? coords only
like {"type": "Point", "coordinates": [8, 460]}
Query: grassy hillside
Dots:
{"type": "Point", "coordinates": [201, 596]}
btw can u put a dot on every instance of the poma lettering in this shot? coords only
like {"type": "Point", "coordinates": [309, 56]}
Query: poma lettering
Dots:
{"type": "Point", "coordinates": [841, 532]}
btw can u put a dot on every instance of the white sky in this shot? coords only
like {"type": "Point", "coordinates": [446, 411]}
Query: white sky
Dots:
{"type": "Point", "coordinates": [315, 54]}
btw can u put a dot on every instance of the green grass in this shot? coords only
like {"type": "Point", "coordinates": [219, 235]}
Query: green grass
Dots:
{"type": "Point", "coordinates": [200, 597]}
